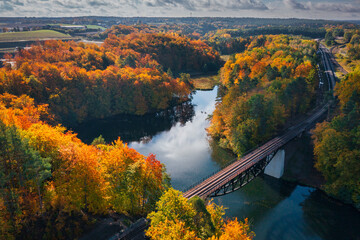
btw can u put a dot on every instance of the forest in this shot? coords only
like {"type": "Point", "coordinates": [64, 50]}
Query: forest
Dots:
{"type": "Point", "coordinates": [48, 176]}
{"type": "Point", "coordinates": [54, 186]}
{"type": "Point", "coordinates": [272, 81]}
{"type": "Point", "coordinates": [336, 141]}
{"type": "Point", "coordinates": [132, 74]}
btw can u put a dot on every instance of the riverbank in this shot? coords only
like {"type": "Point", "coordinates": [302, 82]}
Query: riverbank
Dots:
{"type": "Point", "coordinates": [205, 82]}
{"type": "Point", "coordinates": [299, 167]}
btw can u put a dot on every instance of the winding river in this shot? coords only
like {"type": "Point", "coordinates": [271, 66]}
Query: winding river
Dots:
{"type": "Point", "coordinates": [276, 209]}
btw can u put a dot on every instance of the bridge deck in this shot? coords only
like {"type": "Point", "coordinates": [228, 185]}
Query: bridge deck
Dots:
{"type": "Point", "coordinates": [225, 175]}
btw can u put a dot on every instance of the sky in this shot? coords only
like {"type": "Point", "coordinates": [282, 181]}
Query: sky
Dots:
{"type": "Point", "coordinates": [320, 9]}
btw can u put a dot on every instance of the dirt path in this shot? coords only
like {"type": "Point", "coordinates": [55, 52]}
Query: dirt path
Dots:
{"type": "Point", "coordinates": [333, 59]}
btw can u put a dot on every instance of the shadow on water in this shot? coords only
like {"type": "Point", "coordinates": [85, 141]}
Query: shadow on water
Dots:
{"type": "Point", "coordinates": [135, 128]}
{"type": "Point", "coordinates": [276, 209]}
{"type": "Point", "coordinates": [329, 218]}
{"type": "Point", "coordinates": [281, 210]}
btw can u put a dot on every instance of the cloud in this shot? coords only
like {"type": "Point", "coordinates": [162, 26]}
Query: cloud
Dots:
{"type": "Point", "coordinates": [328, 9]}
{"type": "Point", "coordinates": [187, 4]}
{"type": "Point", "coordinates": [245, 4]}
{"type": "Point", "coordinates": [209, 4]}
{"type": "Point", "coordinates": [17, 2]}
{"type": "Point", "coordinates": [97, 3]}
{"type": "Point", "coordinates": [336, 7]}
{"type": "Point", "coordinates": [293, 4]}
{"type": "Point", "coordinates": [69, 4]}
{"type": "Point", "coordinates": [349, 7]}
{"type": "Point", "coordinates": [6, 6]}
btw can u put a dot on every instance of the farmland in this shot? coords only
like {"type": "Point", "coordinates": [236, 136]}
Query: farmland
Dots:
{"type": "Point", "coordinates": [32, 36]}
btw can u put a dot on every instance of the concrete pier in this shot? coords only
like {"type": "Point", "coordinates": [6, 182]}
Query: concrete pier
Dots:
{"type": "Point", "coordinates": [276, 167]}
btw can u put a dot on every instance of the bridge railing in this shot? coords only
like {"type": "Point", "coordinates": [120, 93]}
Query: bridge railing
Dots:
{"type": "Point", "coordinates": [280, 133]}
{"type": "Point", "coordinates": [226, 165]}
{"type": "Point", "coordinates": [283, 131]}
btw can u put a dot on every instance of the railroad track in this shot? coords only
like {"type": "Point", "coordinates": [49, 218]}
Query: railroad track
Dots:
{"type": "Point", "coordinates": [230, 172]}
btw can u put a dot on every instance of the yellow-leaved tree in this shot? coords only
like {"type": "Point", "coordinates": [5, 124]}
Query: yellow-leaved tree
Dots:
{"type": "Point", "coordinates": [179, 218]}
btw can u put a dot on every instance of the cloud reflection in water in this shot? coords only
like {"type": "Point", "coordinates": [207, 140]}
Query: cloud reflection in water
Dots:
{"type": "Point", "coordinates": [184, 149]}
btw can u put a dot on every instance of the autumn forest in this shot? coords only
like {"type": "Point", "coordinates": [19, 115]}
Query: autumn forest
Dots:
{"type": "Point", "coordinates": [55, 186]}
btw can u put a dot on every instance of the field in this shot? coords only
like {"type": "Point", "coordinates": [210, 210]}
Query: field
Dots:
{"type": "Point", "coordinates": [95, 27]}
{"type": "Point", "coordinates": [92, 27]}
{"type": "Point", "coordinates": [340, 53]}
{"type": "Point", "coordinates": [32, 36]}
{"type": "Point", "coordinates": [205, 82]}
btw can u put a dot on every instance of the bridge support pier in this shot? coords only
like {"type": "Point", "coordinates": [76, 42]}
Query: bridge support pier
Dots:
{"type": "Point", "coordinates": [276, 167]}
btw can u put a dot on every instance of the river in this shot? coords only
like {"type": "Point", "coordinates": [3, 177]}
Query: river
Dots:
{"type": "Point", "coordinates": [276, 209]}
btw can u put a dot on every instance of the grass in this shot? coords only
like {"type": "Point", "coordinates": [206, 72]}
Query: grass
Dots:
{"type": "Point", "coordinates": [225, 57]}
{"type": "Point", "coordinates": [95, 27]}
{"type": "Point", "coordinates": [340, 53]}
{"type": "Point", "coordinates": [205, 82]}
{"type": "Point", "coordinates": [7, 50]}
{"type": "Point", "coordinates": [31, 35]}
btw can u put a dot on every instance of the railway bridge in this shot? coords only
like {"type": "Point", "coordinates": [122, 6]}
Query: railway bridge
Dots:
{"type": "Point", "coordinates": [243, 170]}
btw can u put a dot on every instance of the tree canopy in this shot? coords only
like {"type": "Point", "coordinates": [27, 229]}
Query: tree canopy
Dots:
{"type": "Point", "coordinates": [270, 82]}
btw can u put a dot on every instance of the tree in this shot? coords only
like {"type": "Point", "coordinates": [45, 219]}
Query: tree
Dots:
{"type": "Point", "coordinates": [236, 230]}
{"type": "Point", "coordinates": [178, 218]}
{"type": "Point", "coordinates": [329, 39]}
{"type": "Point", "coordinates": [22, 176]}
{"type": "Point", "coordinates": [169, 72]}
{"type": "Point", "coordinates": [173, 206]}
{"type": "Point", "coordinates": [79, 179]}
{"type": "Point", "coordinates": [171, 230]}
{"type": "Point", "coordinates": [336, 143]}
{"type": "Point", "coordinates": [98, 141]}
{"type": "Point", "coordinates": [355, 39]}
{"type": "Point", "coordinates": [135, 182]}
{"type": "Point", "coordinates": [255, 100]}
{"type": "Point", "coordinates": [338, 32]}
{"type": "Point", "coordinates": [347, 36]}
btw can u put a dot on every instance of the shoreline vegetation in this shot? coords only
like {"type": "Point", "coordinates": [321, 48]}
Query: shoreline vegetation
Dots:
{"type": "Point", "coordinates": [54, 185]}
{"type": "Point", "coordinates": [243, 119]}
{"type": "Point", "coordinates": [123, 75]}
{"type": "Point", "coordinates": [262, 88]}
{"type": "Point", "coordinates": [205, 82]}
{"type": "Point", "coordinates": [336, 141]}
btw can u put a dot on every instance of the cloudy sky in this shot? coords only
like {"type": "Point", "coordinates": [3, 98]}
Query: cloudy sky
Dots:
{"type": "Point", "coordinates": [324, 9]}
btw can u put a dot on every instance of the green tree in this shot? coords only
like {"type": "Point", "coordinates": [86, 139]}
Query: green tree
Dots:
{"type": "Point", "coordinates": [22, 175]}
{"type": "Point", "coordinates": [355, 39]}
{"type": "Point", "coordinates": [329, 39]}
{"type": "Point", "coordinates": [337, 143]}
{"type": "Point", "coordinates": [347, 36]}
{"type": "Point", "coordinates": [173, 206]}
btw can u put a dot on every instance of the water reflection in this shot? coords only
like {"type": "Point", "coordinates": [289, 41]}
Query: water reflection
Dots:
{"type": "Point", "coordinates": [184, 148]}
{"type": "Point", "coordinates": [135, 128]}
{"type": "Point", "coordinates": [282, 210]}
{"type": "Point", "coordinates": [330, 219]}
{"type": "Point", "coordinates": [277, 209]}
